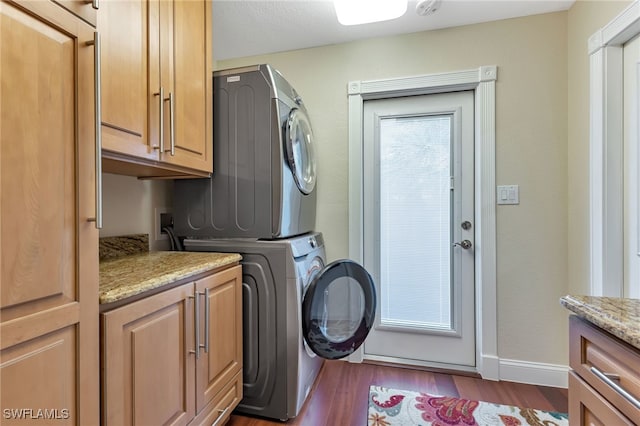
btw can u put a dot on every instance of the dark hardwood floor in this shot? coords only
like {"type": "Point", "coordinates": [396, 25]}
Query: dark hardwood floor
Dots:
{"type": "Point", "coordinates": [339, 397]}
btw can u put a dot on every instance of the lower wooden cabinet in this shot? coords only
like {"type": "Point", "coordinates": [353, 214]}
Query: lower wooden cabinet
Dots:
{"type": "Point", "coordinates": [604, 386]}
{"type": "Point", "coordinates": [222, 355]}
{"type": "Point", "coordinates": [175, 358]}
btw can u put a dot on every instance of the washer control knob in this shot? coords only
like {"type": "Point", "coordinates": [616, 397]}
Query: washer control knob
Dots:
{"type": "Point", "coordinates": [312, 242]}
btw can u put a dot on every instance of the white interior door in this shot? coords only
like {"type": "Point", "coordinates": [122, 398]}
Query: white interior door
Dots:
{"type": "Point", "coordinates": [631, 164]}
{"type": "Point", "coordinates": [419, 228]}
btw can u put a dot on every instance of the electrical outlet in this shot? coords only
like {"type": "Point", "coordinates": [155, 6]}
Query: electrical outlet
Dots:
{"type": "Point", "coordinates": [166, 219]}
{"type": "Point", "coordinates": [162, 217]}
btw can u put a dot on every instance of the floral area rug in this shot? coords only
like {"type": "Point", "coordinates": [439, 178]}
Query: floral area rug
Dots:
{"type": "Point", "coordinates": [392, 407]}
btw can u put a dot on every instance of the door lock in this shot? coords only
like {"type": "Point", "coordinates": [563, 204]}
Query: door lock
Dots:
{"type": "Point", "coordinates": [465, 244]}
{"type": "Point", "coordinates": [466, 225]}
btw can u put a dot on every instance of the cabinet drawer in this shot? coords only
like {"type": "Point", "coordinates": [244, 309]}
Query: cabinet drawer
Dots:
{"type": "Point", "coordinates": [217, 413]}
{"type": "Point", "coordinates": [587, 407]}
{"type": "Point", "coordinates": [607, 364]}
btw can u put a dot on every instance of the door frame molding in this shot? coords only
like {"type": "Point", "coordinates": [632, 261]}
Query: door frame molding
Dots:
{"type": "Point", "coordinates": [606, 157]}
{"type": "Point", "coordinates": [482, 82]}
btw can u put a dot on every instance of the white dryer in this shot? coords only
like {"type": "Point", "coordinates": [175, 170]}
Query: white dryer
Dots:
{"type": "Point", "coordinates": [264, 173]}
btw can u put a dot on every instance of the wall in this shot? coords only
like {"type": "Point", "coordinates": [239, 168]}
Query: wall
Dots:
{"type": "Point", "coordinates": [129, 206]}
{"type": "Point", "coordinates": [543, 84]}
{"type": "Point", "coordinates": [531, 151]}
{"type": "Point", "coordinates": [584, 19]}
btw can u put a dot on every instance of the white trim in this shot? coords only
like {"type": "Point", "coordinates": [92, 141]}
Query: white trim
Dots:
{"type": "Point", "coordinates": [485, 217]}
{"type": "Point", "coordinates": [596, 174]}
{"type": "Point", "coordinates": [511, 370]}
{"type": "Point", "coordinates": [418, 363]}
{"type": "Point", "coordinates": [624, 27]}
{"type": "Point", "coordinates": [534, 373]}
{"type": "Point", "coordinates": [489, 366]}
{"type": "Point", "coordinates": [606, 151]}
{"type": "Point", "coordinates": [482, 81]}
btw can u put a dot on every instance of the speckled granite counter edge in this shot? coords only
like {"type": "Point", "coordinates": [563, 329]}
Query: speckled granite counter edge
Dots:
{"type": "Point", "coordinates": [627, 331]}
{"type": "Point", "coordinates": [124, 278]}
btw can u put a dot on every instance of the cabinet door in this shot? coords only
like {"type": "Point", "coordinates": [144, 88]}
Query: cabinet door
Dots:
{"type": "Point", "coordinates": [221, 358]}
{"type": "Point", "coordinates": [126, 31]}
{"type": "Point", "coordinates": [186, 70]}
{"type": "Point", "coordinates": [148, 368]}
{"type": "Point", "coordinates": [49, 250]}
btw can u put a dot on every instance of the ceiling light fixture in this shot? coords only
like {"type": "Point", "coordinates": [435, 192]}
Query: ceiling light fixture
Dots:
{"type": "Point", "coordinates": [355, 12]}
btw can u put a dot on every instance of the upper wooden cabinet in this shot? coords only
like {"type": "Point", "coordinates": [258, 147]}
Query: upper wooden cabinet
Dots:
{"type": "Point", "coordinates": [156, 87]}
{"type": "Point", "coordinates": [49, 357]}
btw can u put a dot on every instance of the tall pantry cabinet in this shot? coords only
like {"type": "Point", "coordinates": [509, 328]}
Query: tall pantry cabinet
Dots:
{"type": "Point", "coordinates": [49, 359]}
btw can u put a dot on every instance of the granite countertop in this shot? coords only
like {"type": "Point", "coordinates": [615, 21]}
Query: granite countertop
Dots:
{"type": "Point", "coordinates": [131, 275]}
{"type": "Point", "coordinates": [618, 316]}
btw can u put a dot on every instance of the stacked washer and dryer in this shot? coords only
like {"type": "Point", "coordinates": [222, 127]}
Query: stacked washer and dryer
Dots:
{"type": "Point", "coordinates": [261, 203]}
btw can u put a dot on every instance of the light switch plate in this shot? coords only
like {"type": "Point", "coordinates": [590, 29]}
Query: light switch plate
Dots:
{"type": "Point", "coordinates": [508, 194]}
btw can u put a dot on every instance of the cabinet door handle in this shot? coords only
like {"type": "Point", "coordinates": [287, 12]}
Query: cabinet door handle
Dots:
{"type": "Point", "coordinates": [207, 319]}
{"type": "Point", "coordinates": [94, 3]}
{"type": "Point", "coordinates": [616, 387]}
{"type": "Point", "coordinates": [196, 325]}
{"type": "Point", "coordinates": [172, 124]}
{"type": "Point", "coordinates": [205, 294]}
{"type": "Point", "coordinates": [220, 416]}
{"type": "Point", "coordinates": [161, 118]}
{"type": "Point", "coordinates": [98, 130]}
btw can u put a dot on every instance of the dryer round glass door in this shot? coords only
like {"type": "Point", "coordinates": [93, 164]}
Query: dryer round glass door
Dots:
{"type": "Point", "coordinates": [338, 309]}
{"type": "Point", "coordinates": [299, 147]}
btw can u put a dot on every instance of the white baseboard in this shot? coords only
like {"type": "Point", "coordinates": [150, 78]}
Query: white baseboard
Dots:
{"type": "Point", "coordinates": [495, 368]}
{"type": "Point", "coordinates": [534, 373]}
{"type": "Point", "coordinates": [489, 367]}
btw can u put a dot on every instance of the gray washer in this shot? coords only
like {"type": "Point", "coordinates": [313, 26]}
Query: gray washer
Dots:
{"type": "Point", "coordinates": [263, 182]}
{"type": "Point", "coordinates": [278, 369]}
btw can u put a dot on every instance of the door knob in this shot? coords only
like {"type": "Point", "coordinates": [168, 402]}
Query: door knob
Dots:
{"type": "Point", "coordinates": [465, 244]}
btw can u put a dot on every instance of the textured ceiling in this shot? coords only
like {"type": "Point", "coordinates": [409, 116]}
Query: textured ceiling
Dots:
{"type": "Point", "coordinates": [254, 27]}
